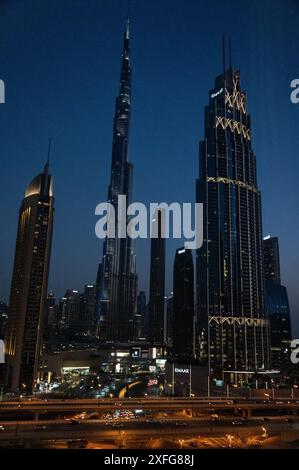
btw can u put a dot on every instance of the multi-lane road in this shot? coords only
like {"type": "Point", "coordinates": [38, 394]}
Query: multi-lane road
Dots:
{"type": "Point", "coordinates": [157, 404]}
{"type": "Point", "coordinates": [133, 432]}
{"type": "Point", "coordinates": [42, 421]}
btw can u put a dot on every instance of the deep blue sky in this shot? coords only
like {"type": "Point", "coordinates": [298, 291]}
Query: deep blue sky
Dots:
{"type": "Point", "coordinates": [60, 61]}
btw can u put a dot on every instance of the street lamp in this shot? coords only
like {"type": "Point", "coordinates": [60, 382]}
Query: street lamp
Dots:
{"type": "Point", "coordinates": [230, 438]}
{"type": "Point", "coordinates": [293, 388]}
{"type": "Point", "coordinates": [265, 434]}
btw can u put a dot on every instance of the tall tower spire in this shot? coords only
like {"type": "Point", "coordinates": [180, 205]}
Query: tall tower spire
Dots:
{"type": "Point", "coordinates": [128, 19]}
{"type": "Point", "coordinates": [128, 27]}
{"type": "Point", "coordinates": [116, 286]}
{"type": "Point", "coordinates": [223, 53]}
{"type": "Point", "coordinates": [46, 169]}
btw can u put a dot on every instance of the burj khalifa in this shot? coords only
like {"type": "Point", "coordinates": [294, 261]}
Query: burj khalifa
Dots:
{"type": "Point", "coordinates": [117, 278]}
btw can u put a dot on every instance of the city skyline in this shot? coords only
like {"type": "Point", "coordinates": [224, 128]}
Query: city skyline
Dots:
{"type": "Point", "coordinates": [87, 271]}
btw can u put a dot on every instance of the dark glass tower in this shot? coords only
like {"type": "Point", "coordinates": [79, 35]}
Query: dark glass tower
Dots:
{"type": "Point", "coordinates": [277, 303]}
{"type": "Point", "coordinates": [142, 313]}
{"type": "Point", "coordinates": [157, 282]}
{"type": "Point", "coordinates": [230, 292]}
{"type": "Point", "coordinates": [183, 307]}
{"type": "Point", "coordinates": [28, 295]}
{"type": "Point", "coordinates": [271, 259]}
{"type": "Point", "coordinates": [117, 279]}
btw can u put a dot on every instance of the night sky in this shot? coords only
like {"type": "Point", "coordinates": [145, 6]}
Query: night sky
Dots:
{"type": "Point", "coordinates": [60, 60]}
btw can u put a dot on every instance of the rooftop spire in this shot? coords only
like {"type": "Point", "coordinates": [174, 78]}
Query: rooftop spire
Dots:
{"type": "Point", "coordinates": [128, 28]}
{"type": "Point", "coordinates": [223, 53]}
{"type": "Point", "coordinates": [46, 169]}
{"type": "Point", "coordinates": [128, 20]}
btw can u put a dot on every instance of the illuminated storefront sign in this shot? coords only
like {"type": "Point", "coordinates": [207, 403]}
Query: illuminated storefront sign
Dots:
{"type": "Point", "coordinates": [179, 370]}
{"type": "Point", "coordinates": [152, 382]}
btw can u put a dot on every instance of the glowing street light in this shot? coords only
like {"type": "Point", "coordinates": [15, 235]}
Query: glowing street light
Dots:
{"type": "Point", "coordinates": [265, 434]}
{"type": "Point", "coordinates": [230, 438]}
{"type": "Point", "coordinates": [293, 388]}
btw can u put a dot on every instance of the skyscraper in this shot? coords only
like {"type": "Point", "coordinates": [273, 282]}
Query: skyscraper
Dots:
{"type": "Point", "coordinates": [50, 322]}
{"type": "Point", "coordinates": [72, 312]}
{"type": "Point", "coordinates": [183, 307]}
{"type": "Point", "coordinates": [271, 259]}
{"type": "Point", "coordinates": [117, 279]}
{"type": "Point", "coordinates": [87, 311]}
{"type": "Point", "coordinates": [157, 281]}
{"type": "Point", "coordinates": [276, 302]}
{"type": "Point", "coordinates": [29, 285]}
{"type": "Point", "coordinates": [230, 292]}
{"type": "Point", "coordinates": [3, 319]}
{"type": "Point", "coordinates": [142, 310]}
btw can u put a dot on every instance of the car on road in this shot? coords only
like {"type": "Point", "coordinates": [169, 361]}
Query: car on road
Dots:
{"type": "Point", "coordinates": [2, 428]}
{"type": "Point", "coordinates": [193, 444]}
{"type": "Point", "coordinates": [289, 420]}
{"type": "Point", "coordinates": [256, 444]}
{"type": "Point", "coordinates": [237, 422]}
{"type": "Point", "coordinates": [75, 422]}
{"type": "Point", "coordinates": [214, 417]}
{"type": "Point", "coordinates": [39, 428]}
{"type": "Point", "coordinates": [77, 444]}
{"type": "Point", "coordinates": [205, 443]}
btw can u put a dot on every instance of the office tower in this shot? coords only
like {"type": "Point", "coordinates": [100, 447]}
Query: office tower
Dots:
{"type": "Point", "coordinates": [157, 280]}
{"type": "Point", "coordinates": [117, 279]}
{"type": "Point", "coordinates": [229, 285]}
{"type": "Point", "coordinates": [271, 259]}
{"type": "Point", "coordinates": [3, 319]}
{"type": "Point", "coordinates": [62, 319]}
{"type": "Point", "coordinates": [277, 303]}
{"type": "Point", "coordinates": [98, 304]}
{"type": "Point", "coordinates": [183, 307]}
{"type": "Point", "coordinates": [50, 324]}
{"type": "Point", "coordinates": [169, 320]}
{"type": "Point", "coordinates": [29, 285]}
{"type": "Point", "coordinates": [72, 312]}
{"type": "Point", "coordinates": [87, 311]}
{"type": "Point", "coordinates": [141, 330]}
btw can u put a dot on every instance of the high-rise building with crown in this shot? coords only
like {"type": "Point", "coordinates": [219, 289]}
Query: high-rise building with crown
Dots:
{"type": "Point", "coordinates": [28, 295]}
{"type": "Point", "coordinates": [230, 287]}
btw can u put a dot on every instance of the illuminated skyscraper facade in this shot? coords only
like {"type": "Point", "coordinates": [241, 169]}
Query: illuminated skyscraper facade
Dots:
{"type": "Point", "coordinates": [27, 305]}
{"type": "Point", "coordinates": [271, 259]}
{"type": "Point", "coordinates": [230, 287]}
